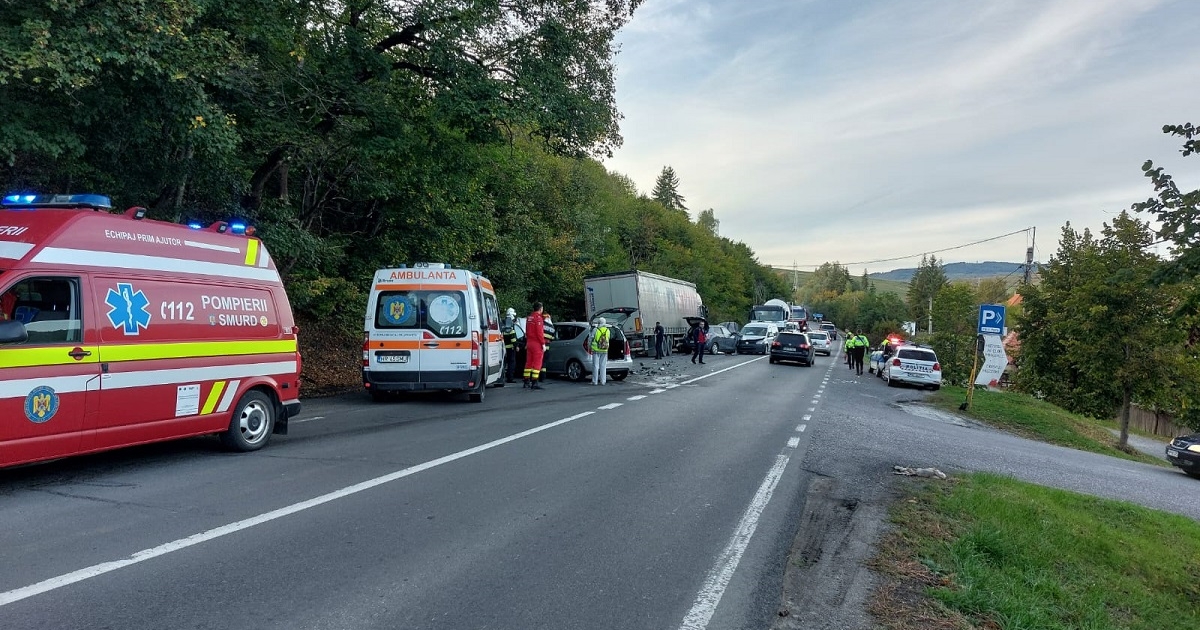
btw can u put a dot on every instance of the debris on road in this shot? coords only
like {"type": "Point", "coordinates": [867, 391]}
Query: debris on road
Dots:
{"type": "Point", "coordinates": [919, 472]}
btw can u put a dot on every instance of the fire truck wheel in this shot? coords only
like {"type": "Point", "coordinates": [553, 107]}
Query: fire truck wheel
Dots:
{"type": "Point", "coordinates": [252, 423]}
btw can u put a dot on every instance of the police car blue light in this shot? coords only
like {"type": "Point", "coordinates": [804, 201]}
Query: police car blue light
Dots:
{"type": "Point", "coordinates": [195, 225]}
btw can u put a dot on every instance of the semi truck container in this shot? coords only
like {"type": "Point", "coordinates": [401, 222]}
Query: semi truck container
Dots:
{"type": "Point", "coordinates": [638, 299]}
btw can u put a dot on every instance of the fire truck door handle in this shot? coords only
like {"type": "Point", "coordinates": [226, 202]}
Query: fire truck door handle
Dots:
{"type": "Point", "coordinates": [79, 353]}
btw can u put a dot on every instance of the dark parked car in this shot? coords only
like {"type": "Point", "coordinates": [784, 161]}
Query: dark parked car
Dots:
{"type": "Point", "coordinates": [721, 339]}
{"type": "Point", "coordinates": [792, 346]}
{"type": "Point", "coordinates": [1184, 452]}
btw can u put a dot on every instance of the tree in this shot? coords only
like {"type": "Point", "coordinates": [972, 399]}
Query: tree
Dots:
{"type": "Point", "coordinates": [992, 291]}
{"type": "Point", "coordinates": [925, 284]}
{"type": "Point", "coordinates": [666, 190]}
{"type": "Point", "coordinates": [708, 221]}
{"type": "Point", "coordinates": [954, 310]}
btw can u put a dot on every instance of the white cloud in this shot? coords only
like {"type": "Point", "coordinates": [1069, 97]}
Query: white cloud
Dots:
{"type": "Point", "coordinates": [946, 121]}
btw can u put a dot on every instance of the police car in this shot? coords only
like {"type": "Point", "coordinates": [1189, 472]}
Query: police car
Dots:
{"type": "Point", "coordinates": [913, 365]}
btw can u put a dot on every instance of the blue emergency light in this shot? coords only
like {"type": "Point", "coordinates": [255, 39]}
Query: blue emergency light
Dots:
{"type": "Point", "coordinates": [196, 225]}
{"type": "Point", "coordinates": [237, 227]}
{"type": "Point", "coordinates": [86, 200]}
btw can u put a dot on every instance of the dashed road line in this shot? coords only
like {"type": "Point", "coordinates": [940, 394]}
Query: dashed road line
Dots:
{"type": "Point", "coordinates": [610, 406]}
{"type": "Point", "coordinates": [718, 578]}
{"type": "Point", "coordinates": [635, 398]}
{"type": "Point", "coordinates": [807, 417]}
{"type": "Point", "coordinates": [793, 442]}
{"type": "Point", "coordinates": [658, 391]}
{"type": "Point", "coordinates": [801, 428]}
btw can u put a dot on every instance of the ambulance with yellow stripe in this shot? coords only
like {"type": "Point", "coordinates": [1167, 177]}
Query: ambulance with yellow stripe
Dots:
{"type": "Point", "coordinates": [117, 330]}
{"type": "Point", "coordinates": [432, 327]}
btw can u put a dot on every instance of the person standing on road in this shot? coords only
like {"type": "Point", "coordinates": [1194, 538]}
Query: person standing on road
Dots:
{"type": "Point", "coordinates": [861, 343]}
{"type": "Point", "coordinates": [535, 346]}
{"type": "Point", "coordinates": [660, 339]}
{"type": "Point", "coordinates": [597, 347]}
{"type": "Point", "coordinates": [509, 330]}
{"type": "Point", "coordinates": [849, 348]}
{"type": "Point", "coordinates": [699, 340]}
{"type": "Point", "coordinates": [551, 336]}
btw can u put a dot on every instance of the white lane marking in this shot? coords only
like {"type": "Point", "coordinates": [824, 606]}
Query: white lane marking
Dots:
{"type": "Point", "coordinates": [610, 406]}
{"type": "Point", "coordinates": [801, 428]}
{"type": "Point", "coordinates": [816, 395]}
{"type": "Point", "coordinates": [215, 248]}
{"type": "Point", "coordinates": [814, 401]}
{"type": "Point", "coordinates": [671, 386]}
{"type": "Point", "coordinates": [807, 417]}
{"type": "Point", "coordinates": [67, 579]}
{"type": "Point", "coordinates": [635, 398]}
{"type": "Point", "coordinates": [793, 442]}
{"type": "Point", "coordinates": [718, 578]}
{"type": "Point", "coordinates": [732, 367]}
{"type": "Point", "coordinates": [658, 391]}
{"type": "Point", "coordinates": [303, 420]}
{"type": "Point", "coordinates": [812, 408]}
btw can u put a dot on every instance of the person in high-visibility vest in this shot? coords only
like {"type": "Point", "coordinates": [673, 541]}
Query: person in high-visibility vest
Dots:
{"type": "Point", "coordinates": [597, 347]}
{"type": "Point", "coordinates": [535, 346]}
{"type": "Point", "coordinates": [509, 331]}
{"type": "Point", "coordinates": [861, 343]}
{"type": "Point", "coordinates": [849, 348]}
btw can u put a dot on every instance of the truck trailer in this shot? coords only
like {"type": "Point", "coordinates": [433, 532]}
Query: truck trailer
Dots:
{"type": "Point", "coordinates": [652, 297]}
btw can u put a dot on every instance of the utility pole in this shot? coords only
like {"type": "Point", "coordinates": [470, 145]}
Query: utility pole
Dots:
{"type": "Point", "coordinates": [1029, 257]}
{"type": "Point", "coordinates": [931, 315]}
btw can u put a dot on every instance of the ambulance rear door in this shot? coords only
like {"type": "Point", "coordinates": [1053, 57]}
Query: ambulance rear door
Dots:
{"type": "Point", "coordinates": [450, 315]}
{"type": "Point", "coordinates": [395, 333]}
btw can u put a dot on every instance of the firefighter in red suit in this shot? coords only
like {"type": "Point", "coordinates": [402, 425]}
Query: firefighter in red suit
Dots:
{"type": "Point", "coordinates": [535, 346]}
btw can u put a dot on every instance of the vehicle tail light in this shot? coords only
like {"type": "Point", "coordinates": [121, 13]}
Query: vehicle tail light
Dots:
{"type": "Point", "coordinates": [366, 350]}
{"type": "Point", "coordinates": [804, 346]}
{"type": "Point", "coordinates": [776, 344]}
{"type": "Point", "coordinates": [475, 348]}
{"type": "Point", "coordinates": [896, 362]}
{"type": "Point", "coordinates": [937, 367]}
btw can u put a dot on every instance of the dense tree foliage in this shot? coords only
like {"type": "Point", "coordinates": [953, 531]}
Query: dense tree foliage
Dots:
{"type": "Point", "coordinates": [1098, 335]}
{"type": "Point", "coordinates": [357, 135]}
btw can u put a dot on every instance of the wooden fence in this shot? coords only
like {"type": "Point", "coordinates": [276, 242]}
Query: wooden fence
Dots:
{"type": "Point", "coordinates": [1156, 423]}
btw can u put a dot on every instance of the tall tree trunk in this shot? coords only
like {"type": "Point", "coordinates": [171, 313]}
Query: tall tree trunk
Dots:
{"type": "Point", "coordinates": [1126, 395]}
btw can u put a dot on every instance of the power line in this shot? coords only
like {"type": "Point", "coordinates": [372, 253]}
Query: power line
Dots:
{"type": "Point", "coordinates": [936, 251]}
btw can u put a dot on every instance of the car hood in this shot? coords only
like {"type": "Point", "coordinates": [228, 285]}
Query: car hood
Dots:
{"type": "Point", "coordinates": [1186, 440]}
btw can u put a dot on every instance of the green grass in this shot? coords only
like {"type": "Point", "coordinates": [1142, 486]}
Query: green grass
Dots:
{"type": "Point", "coordinates": [1037, 419]}
{"type": "Point", "coordinates": [999, 553]}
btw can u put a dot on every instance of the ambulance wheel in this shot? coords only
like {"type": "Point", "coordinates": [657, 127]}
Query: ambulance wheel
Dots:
{"type": "Point", "coordinates": [252, 423]}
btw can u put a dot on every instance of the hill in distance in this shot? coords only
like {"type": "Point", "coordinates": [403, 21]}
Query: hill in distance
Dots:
{"type": "Point", "coordinates": [959, 271]}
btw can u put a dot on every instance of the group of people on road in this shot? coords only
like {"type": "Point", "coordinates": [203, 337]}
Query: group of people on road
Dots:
{"type": "Point", "coordinates": [856, 349]}
{"type": "Point", "coordinates": [534, 334]}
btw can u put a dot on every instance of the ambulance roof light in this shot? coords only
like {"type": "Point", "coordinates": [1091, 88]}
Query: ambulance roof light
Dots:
{"type": "Point", "coordinates": [195, 225]}
{"type": "Point", "coordinates": [87, 200]}
{"type": "Point", "coordinates": [237, 227]}
{"type": "Point", "coordinates": [426, 265]}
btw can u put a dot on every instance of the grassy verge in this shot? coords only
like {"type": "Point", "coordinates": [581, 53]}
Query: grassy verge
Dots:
{"type": "Point", "coordinates": [991, 552]}
{"type": "Point", "coordinates": [1037, 419]}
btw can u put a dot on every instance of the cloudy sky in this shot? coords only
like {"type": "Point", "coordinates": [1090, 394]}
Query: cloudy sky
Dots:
{"type": "Point", "coordinates": [855, 130]}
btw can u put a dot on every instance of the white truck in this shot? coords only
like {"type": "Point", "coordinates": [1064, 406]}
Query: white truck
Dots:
{"type": "Point", "coordinates": [637, 299]}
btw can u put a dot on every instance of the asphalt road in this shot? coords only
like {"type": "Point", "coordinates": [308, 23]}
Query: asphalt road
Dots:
{"type": "Point", "coordinates": [671, 501]}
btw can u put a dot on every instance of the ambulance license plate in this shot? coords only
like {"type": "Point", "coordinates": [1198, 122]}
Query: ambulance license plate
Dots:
{"type": "Point", "coordinates": [392, 358]}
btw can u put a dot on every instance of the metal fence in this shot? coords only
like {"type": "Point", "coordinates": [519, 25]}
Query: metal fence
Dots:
{"type": "Point", "coordinates": [1156, 423]}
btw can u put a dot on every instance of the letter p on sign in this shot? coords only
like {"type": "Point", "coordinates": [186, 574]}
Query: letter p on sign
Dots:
{"type": "Point", "coordinates": [991, 319]}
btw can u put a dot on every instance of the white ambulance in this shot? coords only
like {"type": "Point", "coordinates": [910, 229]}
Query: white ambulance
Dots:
{"type": "Point", "coordinates": [432, 327]}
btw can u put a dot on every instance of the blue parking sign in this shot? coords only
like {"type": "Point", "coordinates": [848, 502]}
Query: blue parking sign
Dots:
{"type": "Point", "coordinates": [991, 319]}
